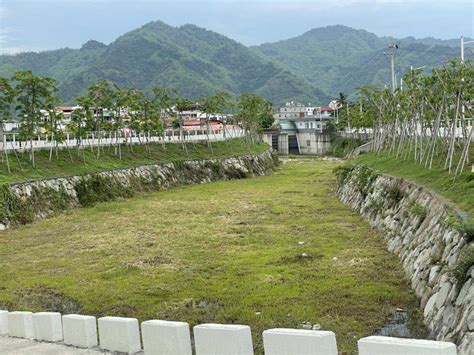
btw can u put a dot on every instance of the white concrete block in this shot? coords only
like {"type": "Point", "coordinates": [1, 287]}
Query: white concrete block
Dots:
{"type": "Point", "coordinates": [3, 322]}
{"type": "Point", "coordinates": [20, 324]}
{"type": "Point", "coordinates": [376, 345]}
{"type": "Point", "coordinates": [80, 331]}
{"type": "Point", "coordinates": [281, 341]}
{"type": "Point", "coordinates": [48, 326]}
{"type": "Point", "coordinates": [162, 337]}
{"type": "Point", "coordinates": [218, 339]}
{"type": "Point", "coordinates": [119, 334]}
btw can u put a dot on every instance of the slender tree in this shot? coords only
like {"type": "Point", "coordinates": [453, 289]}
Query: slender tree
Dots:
{"type": "Point", "coordinates": [35, 95]}
{"type": "Point", "coordinates": [7, 95]}
{"type": "Point", "coordinates": [254, 113]}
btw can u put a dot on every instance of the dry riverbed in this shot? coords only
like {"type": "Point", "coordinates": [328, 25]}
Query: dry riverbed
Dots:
{"type": "Point", "coordinates": [274, 251]}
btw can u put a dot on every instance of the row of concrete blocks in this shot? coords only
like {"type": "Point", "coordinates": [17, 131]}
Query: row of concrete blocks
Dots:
{"type": "Point", "coordinates": [166, 337]}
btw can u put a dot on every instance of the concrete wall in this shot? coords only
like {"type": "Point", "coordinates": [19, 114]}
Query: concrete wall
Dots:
{"type": "Point", "coordinates": [313, 143]}
{"type": "Point", "coordinates": [418, 226]}
{"type": "Point", "coordinates": [159, 337]}
{"type": "Point", "coordinates": [283, 147]}
{"type": "Point", "coordinates": [319, 144]}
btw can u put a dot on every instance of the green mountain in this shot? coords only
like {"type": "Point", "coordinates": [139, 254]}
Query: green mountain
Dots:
{"type": "Point", "coordinates": [313, 67]}
{"type": "Point", "coordinates": [339, 59]}
{"type": "Point", "coordinates": [195, 61]}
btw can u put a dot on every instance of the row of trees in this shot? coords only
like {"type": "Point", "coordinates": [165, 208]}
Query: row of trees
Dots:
{"type": "Point", "coordinates": [33, 101]}
{"type": "Point", "coordinates": [429, 120]}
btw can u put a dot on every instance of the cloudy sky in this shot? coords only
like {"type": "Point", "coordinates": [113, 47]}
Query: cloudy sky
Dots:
{"type": "Point", "coordinates": [51, 24]}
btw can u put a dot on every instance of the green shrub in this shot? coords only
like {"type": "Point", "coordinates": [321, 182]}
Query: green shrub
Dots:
{"type": "Point", "coordinates": [395, 194]}
{"type": "Point", "coordinates": [216, 168]}
{"type": "Point", "coordinates": [465, 262]}
{"type": "Point", "coordinates": [365, 178]}
{"type": "Point", "coordinates": [49, 199]}
{"type": "Point", "coordinates": [98, 188]}
{"type": "Point", "coordinates": [342, 172]}
{"type": "Point", "coordinates": [375, 204]}
{"type": "Point", "coordinates": [342, 146]}
{"type": "Point", "coordinates": [418, 210]}
{"type": "Point", "coordinates": [469, 177]}
{"type": "Point", "coordinates": [462, 222]}
{"type": "Point", "coordinates": [465, 225]}
{"type": "Point", "coordinates": [13, 209]}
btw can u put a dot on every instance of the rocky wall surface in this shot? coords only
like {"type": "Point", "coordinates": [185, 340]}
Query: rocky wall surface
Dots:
{"type": "Point", "coordinates": [421, 228]}
{"type": "Point", "coordinates": [24, 202]}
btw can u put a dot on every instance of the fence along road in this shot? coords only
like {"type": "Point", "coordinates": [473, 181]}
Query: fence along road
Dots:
{"type": "Point", "coordinates": [12, 142]}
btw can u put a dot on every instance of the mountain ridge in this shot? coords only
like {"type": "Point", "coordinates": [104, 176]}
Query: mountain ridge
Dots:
{"type": "Point", "coordinates": [338, 58]}
{"type": "Point", "coordinates": [314, 66]}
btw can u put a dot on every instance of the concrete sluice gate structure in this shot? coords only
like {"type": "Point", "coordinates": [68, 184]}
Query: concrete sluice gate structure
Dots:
{"type": "Point", "coordinates": [72, 333]}
{"type": "Point", "coordinates": [303, 142]}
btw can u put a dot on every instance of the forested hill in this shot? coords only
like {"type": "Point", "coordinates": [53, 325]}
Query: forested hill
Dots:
{"type": "Point", "coordinates": [310, 68]}
{"type": "Point", "coordinates": [339, 58]}
{"type": "Point", "coordinates": [195, 61]}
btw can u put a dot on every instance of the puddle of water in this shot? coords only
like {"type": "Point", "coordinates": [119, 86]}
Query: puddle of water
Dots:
{"type": "Point", "coordinates": [403, 324]}
{"type": "Point", "coordinates": [396, 326]}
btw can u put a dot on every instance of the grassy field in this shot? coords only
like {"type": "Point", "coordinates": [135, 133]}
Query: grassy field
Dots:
{"type": "Point", "coordinates": [459, 191]}
{"type": "Point", "coordinates": [85, 161]}
{"type": "Point", "coordinates": [226, 252]}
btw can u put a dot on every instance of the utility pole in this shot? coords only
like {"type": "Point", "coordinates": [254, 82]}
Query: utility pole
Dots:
{"type": "Point", "coordinates": [392, 51]}
{"type": "Point", "coordinates": [462, 47]}
{"type": "Point", "coordinates": [462, 62]}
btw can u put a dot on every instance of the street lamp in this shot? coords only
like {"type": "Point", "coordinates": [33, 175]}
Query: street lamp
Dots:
{"type": "Point", "coordinates": [462, 47]}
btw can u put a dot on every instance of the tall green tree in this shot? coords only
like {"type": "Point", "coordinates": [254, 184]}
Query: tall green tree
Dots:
{"type": "Point", "coordinates": [182, 104]}
{"type": "Point", "coordinates": [217, 103]}
{"type": "Point", "coordinates": [255, 112]}
{"type": "Point", "coordinates": [101, 96]}
{"type": "Point", "coordinates": [35, 95]}
{"type": "Point", "coordinates": [7, 95]}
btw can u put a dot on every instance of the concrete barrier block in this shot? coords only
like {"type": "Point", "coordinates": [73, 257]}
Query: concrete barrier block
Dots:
{"type": "Point", "coordinates": [281, 341]}
{"type": "Point", "coordinates": [119, 334]}
{"type": "Point", "coordinates": [166, 338]}
{"type": "Point", "coordinates": [3, 322]}
{"type": "Point", "coordinates": [218, 339]}
{"type": "Point", "coordinates": [48, 326]}
{"type": "Point", "coordinates": [376, 345]}
{"type": "Point", "coordinates": [20, 324]}
{"type": "Point", "coordinates": [80, 331]}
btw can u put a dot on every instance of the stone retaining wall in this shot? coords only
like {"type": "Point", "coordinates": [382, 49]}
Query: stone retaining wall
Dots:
{"type": "Point", "coordinates": [421, 228]}
{"type": "Point", "coordinates": [24, 202]}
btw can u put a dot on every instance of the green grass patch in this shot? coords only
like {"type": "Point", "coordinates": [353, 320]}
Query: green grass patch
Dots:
{"type": "Point", "coordinates": [460, 191]}
{"type": "Point", "coordinates": [225, 252]}
{"type": "Point", "coordinates": [342, 146]}
{"type": "Point", "coordinates": [84, 161]}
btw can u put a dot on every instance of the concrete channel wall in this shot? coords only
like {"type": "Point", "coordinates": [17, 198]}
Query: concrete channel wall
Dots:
{"type": "Point", "coordinates": [159, 337]}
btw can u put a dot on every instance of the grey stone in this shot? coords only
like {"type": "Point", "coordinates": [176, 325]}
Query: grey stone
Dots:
{"type": "Point", "coordinates": [443, 294]}
{"type": "Point", "coordinates": [463, 292]}
{"type": "Point", "coordinates": [470, 321]}
{"type": "Point", "coordinates": [429, 305]}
